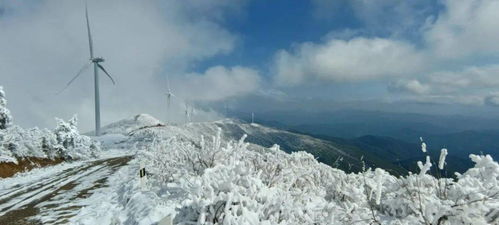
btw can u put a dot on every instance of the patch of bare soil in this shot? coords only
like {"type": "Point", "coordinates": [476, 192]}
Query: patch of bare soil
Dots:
{"type": "Point", "coordinates": [25, 164]}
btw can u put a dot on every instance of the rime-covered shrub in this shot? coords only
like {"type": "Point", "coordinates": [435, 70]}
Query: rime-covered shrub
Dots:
{"type": "Point", "coordinates": [62, 142]}
{"type": "Point", "coordinates": [223, 182]}
{"type": "Point", "coordinates": [70, 143]}
{"type": "Point", "coordinates": [5, 117]}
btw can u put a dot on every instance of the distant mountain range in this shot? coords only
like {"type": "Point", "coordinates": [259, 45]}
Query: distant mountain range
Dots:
{"type": "Point", "coordinates": [394, 137]}
{"type": "Point", "coordinates": [405, 154]}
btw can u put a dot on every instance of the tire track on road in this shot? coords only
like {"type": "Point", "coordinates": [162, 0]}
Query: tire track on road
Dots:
{"type": "Point", "coordinates": [51, 202]}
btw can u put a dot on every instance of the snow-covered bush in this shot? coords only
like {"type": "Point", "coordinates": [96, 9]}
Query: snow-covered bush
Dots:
{"type": "Point", "coordinates": [62, 142]}
{"type": "Point", "coordinates": [70, 143]}
{"type": "Point", "coordinates": [5, 117]}
{"type": "Point", "coordinates": [224, 182]}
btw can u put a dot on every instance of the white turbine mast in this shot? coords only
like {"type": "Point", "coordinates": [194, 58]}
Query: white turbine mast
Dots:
{"type": "Point", "coordinates": [187, 112]}
{"type": "Point", "coordinates": [169, 95]}
{"type": "Point", "coordinates": [96, 61]}
{"type": "Point", "coordinates": [191, 114]}
{"type": "Point", "coordinates": [226, 106]}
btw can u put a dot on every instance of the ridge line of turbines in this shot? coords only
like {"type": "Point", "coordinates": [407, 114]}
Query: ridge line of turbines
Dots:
{"type": "Point", "coordinates": [96, 61]}
{"type": "Point", "coordinates": [189, 110]}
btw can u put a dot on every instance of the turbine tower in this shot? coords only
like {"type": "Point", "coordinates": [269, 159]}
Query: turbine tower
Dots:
{"type": "Point", "coordinates": [169, 95]}
{"type": "Point", "coordinates": [226, 106]}
{"type": "Point", "coordinates": [96, 62]}
{"type": "Point", "coordinates": [187, 113]}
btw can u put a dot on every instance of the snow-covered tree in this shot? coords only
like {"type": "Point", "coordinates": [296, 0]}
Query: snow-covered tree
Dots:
{"type": "Point", "coordinates": [5, 117]}
{"type": "Point", "coordinates": [62, 142]}
{"type": "Point", "coordinates": [70, 144]}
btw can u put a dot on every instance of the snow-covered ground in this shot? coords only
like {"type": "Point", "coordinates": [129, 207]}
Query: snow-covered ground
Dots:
{"type": "Point", "coordinates": [52, 195]}
{"type": "Point", "coordinates": [200, 174]}
{"type": "Point", "coordinates": [203, 173]}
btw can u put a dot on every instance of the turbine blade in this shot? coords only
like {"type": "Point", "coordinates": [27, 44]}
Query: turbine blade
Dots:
{"type": "Point", "coordinates": [168, 81]}
{"type": "Point", "coordinates": [74, 78]}
{"type": "Point", "coordinates": [104, 70]}
{"type": "Point", "coordinates": [90, 42]}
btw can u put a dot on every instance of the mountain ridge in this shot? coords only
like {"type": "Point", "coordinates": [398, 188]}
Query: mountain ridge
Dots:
{"type": "Point", "coordinates": [349, 158]}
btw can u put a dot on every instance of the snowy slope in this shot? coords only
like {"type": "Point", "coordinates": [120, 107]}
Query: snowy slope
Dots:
{"type": "Point", "coordinates": [144, 128]}
{"type": "Point", "coordinates": [225, 181]}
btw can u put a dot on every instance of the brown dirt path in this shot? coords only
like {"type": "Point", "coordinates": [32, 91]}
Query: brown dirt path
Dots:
{"type": "Point", "coordinates": [52, 198]}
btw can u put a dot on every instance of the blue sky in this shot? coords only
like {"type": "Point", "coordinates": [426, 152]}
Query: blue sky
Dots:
{"type": "Point", "coordinates": [267, 26]}
{"type": "Point", "coordinates": [270, 55]}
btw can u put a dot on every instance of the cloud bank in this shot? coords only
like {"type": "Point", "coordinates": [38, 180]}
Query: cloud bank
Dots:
{"type": "Point", "coordinates": [358, 59]}
{"type": "Point", "coordinates": [446, 54]}
{"type": "Point", "coordinates": [218, 83]}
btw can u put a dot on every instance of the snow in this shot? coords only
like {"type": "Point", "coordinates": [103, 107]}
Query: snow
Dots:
{"type": "Point", "coordinates": [209, 180]}
{"type": "Point", "coordinates": [62, 142]}
{"type": "Point", "coordinates": [206, 173]}
{"type": "Point", "coordinates": [424, 168]}
{"type": "Point", "coordinates": [441, 161]}
{"type": "Point", "coordinates": [5, 117]}
{"type": "Point", "coordinates": [123, 202]}
{"type": "Point", "coordinates": [7, 159]}
{"type": "Point", "coordinates": [131, 124]}
{"type": "Point", "coordinates": [26, 178]}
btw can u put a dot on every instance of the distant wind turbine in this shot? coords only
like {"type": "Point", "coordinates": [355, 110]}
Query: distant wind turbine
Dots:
{"type": "Point", "coordinates": [191, 114]}
{"type": "Point", "coordinates": [226, 106]}
{"type": "Point", "coordinates": [96, 61]}
{"type": "Point", "coordinates": [169, 95]}
{"type": "Point", "coordinates": [187, 113]}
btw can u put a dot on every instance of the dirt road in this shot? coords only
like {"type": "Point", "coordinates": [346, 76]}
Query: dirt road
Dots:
{"type": "Point", "coordinates": [54, 200]}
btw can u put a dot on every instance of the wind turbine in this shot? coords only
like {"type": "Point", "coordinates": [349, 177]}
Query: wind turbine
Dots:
{"type": "Point", "coordinates": [191, 114]}
{"type": "Point", "coordinates": [169, 95]}
{"type": "Point", "coordinates": [187, 113]}
{"type": "Point", "coordinates": [226, 106]}
{"type": "Point", "coordinates": [96, 61]}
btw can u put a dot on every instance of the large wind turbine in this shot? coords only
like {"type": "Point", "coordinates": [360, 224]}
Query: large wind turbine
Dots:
{"type": "Point", "coordinates": [96, 61]}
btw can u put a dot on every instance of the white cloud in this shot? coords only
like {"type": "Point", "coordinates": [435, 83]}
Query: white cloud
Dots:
{"type": "Point", "coordinates": [450, 40]}
{"type": "Point", "coordinates": [219, 83]}
{"type": "Point", "coordinates": [470, 79]}
{"type": "Point", "coordinates": [394, 17]}
{"type": "Point", "coordinates": [358, 59]}
{"type": "Point", "coordinates": [471, 100]}
{"type": "Point", "coordinates": [465, 28]}
{"type": "Point", "coordinates": [469, 86]}
{"type": "Point", "coordinates": [44, 43]}
{"type": "Point", "coordinates": [411, 86]}
{"type": "Point", "coordinates": [492, 99]}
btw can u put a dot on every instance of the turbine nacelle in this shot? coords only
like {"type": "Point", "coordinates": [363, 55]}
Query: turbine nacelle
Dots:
{"type": "Point", "coordinates": [97, 59]}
